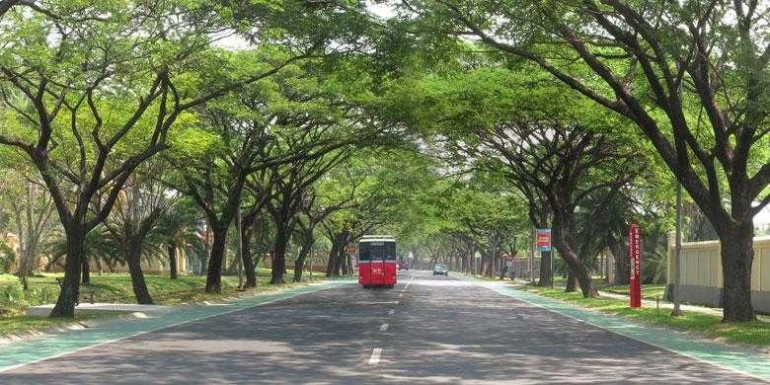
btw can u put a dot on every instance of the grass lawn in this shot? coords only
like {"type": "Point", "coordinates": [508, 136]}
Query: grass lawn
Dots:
{"type": "Point", "coordinates": [648, 291]}
{"type": "Point", "coordinates": [755, 333]}
{"type": "Point", "coordinates": [482, 277]}
{"type": "Point", "coordinates": [24, 324]}
{"type": "Point", "coordinates": [5, 278]}
{"type": "Point", "coordinates": [114, 288]}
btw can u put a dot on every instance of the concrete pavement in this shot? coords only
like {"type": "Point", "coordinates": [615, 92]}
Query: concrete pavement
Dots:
{"type": "Point", "coordinates": [426, 330]}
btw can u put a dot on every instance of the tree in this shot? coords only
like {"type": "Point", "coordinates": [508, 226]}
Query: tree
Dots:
{"type": "Point", "coordinates": [285, 121]}
{"type": "Point", "coordinates": [177, 230]}
{"type": "Point", "coordinates": [480, 213]}
{"type": "Point", "coordinates": [546, 140]}
{"type": "Point", "coordinates": [147, 64]}
{"type": "Point", "coordinates": [328, 196]}
{"type": "Point", "coordinates": [291, 185]}
{"type": "Point", "coordinates": [31, 212]}
{"type": "Point", "coordinates": [234, 146]}
{"type": "Point", "coordinates": [133, 223]}
{"type": "Point", "coordinates": [691, 75]}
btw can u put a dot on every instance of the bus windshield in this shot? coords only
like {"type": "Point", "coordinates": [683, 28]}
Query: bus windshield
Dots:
{"type": "Point", "coordinates": [377, 251]}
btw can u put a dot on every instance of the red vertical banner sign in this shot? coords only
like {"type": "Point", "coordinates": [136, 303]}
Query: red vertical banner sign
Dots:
{"type": "Point", "coordinates": [543, 239]}
{"type": "Point", "coordinates": [636, 264]}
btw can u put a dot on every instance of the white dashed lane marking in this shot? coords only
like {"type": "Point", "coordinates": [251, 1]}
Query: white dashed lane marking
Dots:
{"type": "Point", "coordinates": [384, 327]}
{"type": "Point", "coordinates": [375, 358]}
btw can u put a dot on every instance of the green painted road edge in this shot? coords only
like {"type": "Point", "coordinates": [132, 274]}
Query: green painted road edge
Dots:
{"type": "Point", "coordinates": [25, 352]}
{"type": "Point", "coordinates": [735, 358]}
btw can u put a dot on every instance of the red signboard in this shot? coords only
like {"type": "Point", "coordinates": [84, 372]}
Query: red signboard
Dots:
{"type": "Point", "coordinates": [543, 239]}
{"type": "Point", "coordinates": [635, 254]}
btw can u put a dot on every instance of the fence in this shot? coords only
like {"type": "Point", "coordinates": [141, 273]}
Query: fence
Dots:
{"type": "Point", "coordinates": [701, 277]}
{"type": "Point", "coordinates": [520, 268]}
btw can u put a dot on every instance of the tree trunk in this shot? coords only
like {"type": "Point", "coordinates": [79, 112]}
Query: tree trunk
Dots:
{"type": "Point", "coordinates": [172, 261]}
{"type": "Point", "coordinates": [348, 268]}
{"type": "Point", "coordinates": [299, 264]}
{"type": "Point", "coordinates": [214, 272]}
{"type": "Point", "coordinates": [737, 255]}
{"type": "Point", "coordinates": [577, 267]}
{"type": "Point", "coordinates": [65, 304]}
{"type": "Point", "coordinates": [24, 268]}
{"type": "Point", "coordinates": [134, 259]}
{"type": "Point", "coordinates": [86, 271]}
{"type": "Point", "coordinates": [337, 265]}
{"type": "Point", "coordinates": [571, 285]}
{"type": "Point", "coordinates": [332, 259]}
{"type": "Point", "coordinates": [546, 274]}
{"type": "Point", "coordinates": [279, 254]}
{"type": "Point", "coordinates": [24, 282]}
{"type": "Point", "coordinates": [622, 264]}
{"type": "Point", "coordinates": [247, 226]}
{"type": "Point", "coordinates": [333, 267]}
{"type": "Point", "coordinates": [205, 257]}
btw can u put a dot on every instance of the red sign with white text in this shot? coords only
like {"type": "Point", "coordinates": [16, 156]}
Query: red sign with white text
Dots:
{"type": "Point", "coordinates": [636, 264]}
{"type": "Point", "coordinates": [543, 239]}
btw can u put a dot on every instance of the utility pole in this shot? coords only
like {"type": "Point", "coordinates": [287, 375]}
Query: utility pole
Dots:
{"type": "Point", "coordinates": [677, 251]}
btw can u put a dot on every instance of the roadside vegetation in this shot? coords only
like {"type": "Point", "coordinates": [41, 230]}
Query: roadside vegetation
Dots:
{"type": "Point", "coordinates": [229, 137]}
{"type": "Point", "coordinates": [111, 288]}
{"type": "Point", "coordinates": [22, 325]}
{"type": "Point", "coordinates": [755, 333]}
{"type": "Point", "coordinates": [649, 292]}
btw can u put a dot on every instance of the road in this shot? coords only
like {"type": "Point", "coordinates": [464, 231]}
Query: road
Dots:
{"type": "Point", "coordinates": [427, 330]}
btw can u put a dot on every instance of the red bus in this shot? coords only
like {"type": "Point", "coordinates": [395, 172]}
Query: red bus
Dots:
{"type": "Point", "coordinates": [377, 265]}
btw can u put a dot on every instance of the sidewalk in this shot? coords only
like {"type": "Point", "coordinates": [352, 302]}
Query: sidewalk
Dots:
{"type": "Point", "coordinates": [44, 310]}
{"type": "Point", "coordinates": [663, 304]}
{"type": "Point", "coordinates": [732, 357]}
{"type": "Point", "coordinates": [27, 351]}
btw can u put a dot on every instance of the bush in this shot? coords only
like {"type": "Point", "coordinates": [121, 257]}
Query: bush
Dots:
{"type": "Point", "coordinates": [7, 257]}
{"type": "Point", "coordinates": [12, 299]}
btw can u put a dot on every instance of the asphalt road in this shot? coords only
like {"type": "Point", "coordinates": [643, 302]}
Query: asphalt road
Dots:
{"type": "Point", "coordinates": [427, 330]}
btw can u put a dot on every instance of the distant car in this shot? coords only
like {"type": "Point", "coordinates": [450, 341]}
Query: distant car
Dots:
{"type": "Point", "coordinates": [441, 269]}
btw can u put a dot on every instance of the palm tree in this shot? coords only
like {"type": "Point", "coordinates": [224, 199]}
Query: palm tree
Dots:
{"type": "Point", "coordinates": [178, 230]}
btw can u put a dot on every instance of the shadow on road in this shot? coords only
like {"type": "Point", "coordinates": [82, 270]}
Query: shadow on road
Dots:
{"type": "Point", "coordinates": [443, 330]}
